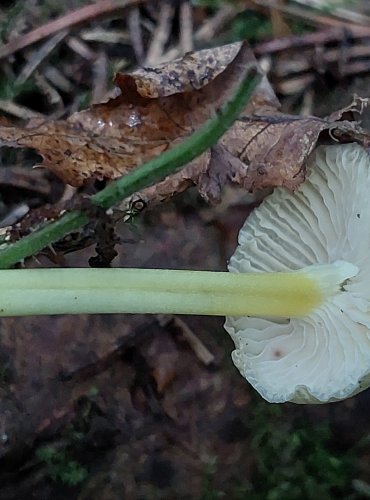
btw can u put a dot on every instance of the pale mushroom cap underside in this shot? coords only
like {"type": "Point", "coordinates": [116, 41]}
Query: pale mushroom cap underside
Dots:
{"type": "Point", "coordinates": [324, 356]}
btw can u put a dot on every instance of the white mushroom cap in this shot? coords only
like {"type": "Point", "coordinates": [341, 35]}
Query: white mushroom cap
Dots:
{"type": "Point", "coordinates": [325, 356]}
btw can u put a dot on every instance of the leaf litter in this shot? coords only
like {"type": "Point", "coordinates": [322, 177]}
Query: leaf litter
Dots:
{"type": "Point", "coordinates": [158, 107]}
{"type": "Point", "coordinates": [198, 409]}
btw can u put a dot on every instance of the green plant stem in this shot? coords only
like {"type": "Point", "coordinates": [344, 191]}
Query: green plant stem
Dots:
{"type": "Point", "coordinates": [35, 242]}
{"type": "Point", "coordinates": [73, 291]}
{"type": "Point", "coordinates": [154, 170]}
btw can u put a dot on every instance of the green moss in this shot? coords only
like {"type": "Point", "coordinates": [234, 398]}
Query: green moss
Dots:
{"type": "Point", "coordinates": [251, 26]}
{"type": "Point", "coordinates": [9, 18]}
{"type": "Point", "coordinates": [209, 491]}
{"type": "Point", "coordinates": [295, 459]}
{"type": "Point", "coordinates": [9, 91]}
{"type": "Point", "coordinates": [61, 467]}
{"type": "Point", "coordinates": [255, 27]}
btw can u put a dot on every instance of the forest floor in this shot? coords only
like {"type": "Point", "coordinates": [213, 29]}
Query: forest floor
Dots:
{"type": "Point", "coordinates": [147, 407]}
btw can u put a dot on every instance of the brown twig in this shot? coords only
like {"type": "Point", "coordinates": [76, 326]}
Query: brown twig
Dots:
{"type": "Point", "coordinates": [310, 39]}
{"type": "Point", "coordinates": [100, 72]}
{"type": "Point", "coordinates": [71, 19]}
{"type": "Point", "coordinates": [39, 55]}
{"type": "Point", "coordinates": [308, 15]}
{"type": "Point", "coordinates": [160, 35]}
{"type": "Point", "coordinates": [320, 59]}
{"type": "Point", "coordinates": [355, 68]}
{"type": "Point", "coordinates": [186, 27]}
{"type": "Point", "coordinates": [200, 350]}
{"type": "Point", "coordinates": [136, 35]}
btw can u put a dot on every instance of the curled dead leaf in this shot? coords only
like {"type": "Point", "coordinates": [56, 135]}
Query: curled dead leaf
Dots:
{"type": "Point", "coordinates": [257, 152]}
{"type": "Point", "coordinates": [276, 146]}
{"type": "Point", "coordinates": [110, 139]}
{"type": "Point", "coordinates": [159, 107]}
{"type": "Point", "coordinates": [191, 72]}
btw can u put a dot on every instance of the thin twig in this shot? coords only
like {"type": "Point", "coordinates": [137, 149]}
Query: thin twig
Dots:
{"type": "Point", "coordinates": [307, 60]}
{"type": "Point", "coordinates": [105, 36]}
{"type": "Point", "coordinates": [160, 35]}
{"type": "Point", "coordinates": [186, 27]}
{"type": "Point", "coordinates": [208, 31]}
{"type": "Point", "coordinates": [223, 16]}
{"type": "Point", "coordinates": [36, 58]}
{"type": "Point", "coordinates": [307, 15]}
{"type": "Point", "coordinates": [338, 11]}
{"type": "Point", "coordinates": [311, 39]}
{"type": "Point", "coordinates": [18, 110]}
{"type": "Point", "coordinates": [81, 48]}
{"type": "Point", "coordinates": [200, 350]}
{"type": "Point", "coordinates": [52, 95]}
{"type": "Point", "coordinates": [72, 19]}
{"type": "Point", "coordinates": [136, 35]}
{"type": "Point", "coordinates": [100, 71]}
{"type": "Point", "coordinates": [58, 79]}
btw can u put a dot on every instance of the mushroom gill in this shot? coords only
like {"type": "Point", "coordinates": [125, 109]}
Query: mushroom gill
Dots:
{"type": "Point", "coordinates": [324, 356]}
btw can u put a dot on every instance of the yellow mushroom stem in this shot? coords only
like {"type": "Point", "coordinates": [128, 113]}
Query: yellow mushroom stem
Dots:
{"type": "Point", "coordinates": [74, 291]}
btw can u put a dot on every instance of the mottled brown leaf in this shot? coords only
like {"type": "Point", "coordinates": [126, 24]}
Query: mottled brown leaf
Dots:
{"type": "Point", "coordinates": [260, 151]}
{"type": "Point", "coordinates": [193, 71]}
{"type": "Point", "coordinates": [108, 140]}
{"type": "Point", "coordinates": [274, 147]}
{"type": "Point", "coordinates": [264, 148]}
{"type": "Point", "coordinates": [158, 107]}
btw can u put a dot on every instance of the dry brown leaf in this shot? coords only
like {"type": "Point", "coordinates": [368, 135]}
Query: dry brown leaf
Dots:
{"type": "Point", "coordinates": [191, 72]}
{"type": "Point", "coordinates": [274, 147]}
{"type": "Point", "coordinates": [260, 150]}
{"type": "Point", "coordinates": [108, 140]}
{"type": "Point", "coordinates": [194, 71]}
{"type": "Point", "coordinates": [264, 148]}
{"type": "Point", "coordinates": [158, 107]}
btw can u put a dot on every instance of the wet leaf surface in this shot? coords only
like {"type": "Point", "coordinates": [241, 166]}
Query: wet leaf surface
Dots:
{"type": "Point", "coordinates": [108, 140]}
{"type": "Point", "coordinates": [159, 107]}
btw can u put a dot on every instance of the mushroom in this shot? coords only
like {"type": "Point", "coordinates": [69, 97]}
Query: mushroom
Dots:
{"type": "Point", "coordinates": [302, 272]}
{"type": "Point", "coordinates": [325, 355]}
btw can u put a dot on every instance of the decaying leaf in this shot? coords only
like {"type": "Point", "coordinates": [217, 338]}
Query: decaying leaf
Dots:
{"type": "Point", "coordinates": [158, 107]}
{"type": "Point", "coordinates": [191, 72]}
{"type": "Point", "coordinates": [274, 147]}
{"type": "Point", "coordinates": [108, 140]}
{"type": "Point", "coordinates": [263, 149]}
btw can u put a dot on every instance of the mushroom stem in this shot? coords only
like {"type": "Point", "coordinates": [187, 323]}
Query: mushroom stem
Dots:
{"type": "Point", "coordinates": [73, 291]}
